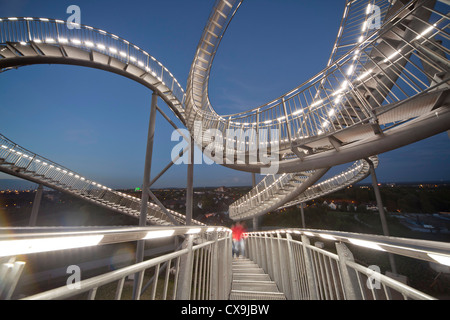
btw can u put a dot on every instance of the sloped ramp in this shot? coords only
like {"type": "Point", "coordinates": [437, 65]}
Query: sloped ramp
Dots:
{"type": "Point", "coordinates": [250, 282]}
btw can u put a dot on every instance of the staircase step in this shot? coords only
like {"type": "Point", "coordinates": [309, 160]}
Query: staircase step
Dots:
{"type": "Point", "coordinates": [255, 286]}
{"type": "Point", "coordinates": [251, 277]}
{"type": "Point", "coordinates": [250, 282]}
{"type": "Point", "coordinates": [244, 264]}
{"type": "Point", "coordinates": [249, 270]}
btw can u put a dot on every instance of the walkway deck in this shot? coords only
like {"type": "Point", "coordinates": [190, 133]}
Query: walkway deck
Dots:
{"type": "Point", "coordinates": [250, 282]}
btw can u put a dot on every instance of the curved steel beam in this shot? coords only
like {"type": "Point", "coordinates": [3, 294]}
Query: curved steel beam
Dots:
{"type": "Point", "coordinates": [255, 202]}
{"type": "Point", "coordinates": [423, 127]}
{"type": "Point", "coordinates": [378, 71]}
{"type": "Point", "coordinates": [277, 195]}
{"type": "Point", "coordinates": [359, 106]}
{"type": "Point", "coordinates": [140, 78]}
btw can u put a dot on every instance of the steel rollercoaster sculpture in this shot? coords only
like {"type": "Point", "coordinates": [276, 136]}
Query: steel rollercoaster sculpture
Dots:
{"type": "Point", "coordinates": [385, 86]}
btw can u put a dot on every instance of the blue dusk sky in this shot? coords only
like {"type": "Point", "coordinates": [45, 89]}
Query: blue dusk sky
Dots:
{"type": "Point", "coordinates": [95, 122]}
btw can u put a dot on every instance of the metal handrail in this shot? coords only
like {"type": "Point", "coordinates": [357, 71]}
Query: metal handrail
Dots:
{"type": "Point", "coordinates": [300, 270]}
{"type": "Point", "coordinates": [197, 265]}
{"type": "Point", "coordinates": [305, 271]}
{"type": "Point", "coordinates": [54, 31]}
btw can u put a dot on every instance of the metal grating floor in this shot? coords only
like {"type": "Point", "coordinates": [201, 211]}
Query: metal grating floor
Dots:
{"type": "Point", "coordinates": [250, 282]}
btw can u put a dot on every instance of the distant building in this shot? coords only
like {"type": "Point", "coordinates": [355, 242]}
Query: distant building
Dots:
{"type": "Point", "coordinates": [373, 207]}
{"type": "Point", "coordinates": [331, 205]}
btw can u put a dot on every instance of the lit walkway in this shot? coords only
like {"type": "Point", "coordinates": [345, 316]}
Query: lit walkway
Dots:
{"type": "Point", "coordinates": [250, 282]}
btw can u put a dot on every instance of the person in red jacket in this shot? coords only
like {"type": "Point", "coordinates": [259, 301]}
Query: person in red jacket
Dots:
{"type": "Point", "coordinates": [238, 231]}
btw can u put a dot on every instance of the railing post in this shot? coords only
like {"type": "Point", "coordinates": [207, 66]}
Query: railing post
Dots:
{"type": "Point", "coordinates": [257, 136]}
{"type": "Point", "coordinates": [268, 246]}
{"type": "Point", "coordinates": [255, 219]}
{"type": "Point", "coordinates": [225, 267]}
{"type": "Point", "coordinates": [309, 269]}
{"type": "Point", "coordinates": [228, 254]}
{"type": "Point", "coordinates": [257, 250]}
{"type": "Point", "coordinates": [263, 252]}
{"type": "Point", "coordinates": [225, 263]}
{"type": "Point", "coordinates": [189, 185]}
{"type": "Point", "coordinates": [286, 115]}
{"type": "Point", "coordinates": [215, 278]}
{"type": "Point", "coordinates": [282, 262]}
{"type": "Point", "coordinates": [184, 289]}
{"type": "Point", "coordinates": [28, 31]}
{"type": "Point", "coordinates": [254, 256]}
{"type": "Point", "coordinates": [248, 248]}
{"type": "Point", "coordinates": [349, 277]}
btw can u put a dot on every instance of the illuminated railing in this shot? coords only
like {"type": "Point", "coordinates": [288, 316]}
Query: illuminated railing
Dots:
{"type": "Point", "coordinates": [200, 270]}
{"type": "Point", "coordinates": [18, 160]}
{"type": "Point", "coordinates": [274, 189]}
{"type": "Point", "coordinates": [268, 191]}
{"type": "Point", "coordinates": [367, 78]}
{"type": "Point", "coordinates": [28, 30]}
{"type": "Point", "coordinates": [360, 20]}
{"type": "Point", "coordinates": [355, 173]}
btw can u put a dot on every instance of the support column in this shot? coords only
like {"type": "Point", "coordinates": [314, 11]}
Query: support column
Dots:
{"type": "Point", "coordinates": [36, 205]}
{"type": "Point", "coordinates": [381, 211]}
{"type": "Point", "coordinates": [190, 185]}
{"type": "Point", "coordinates": [145, 191]}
